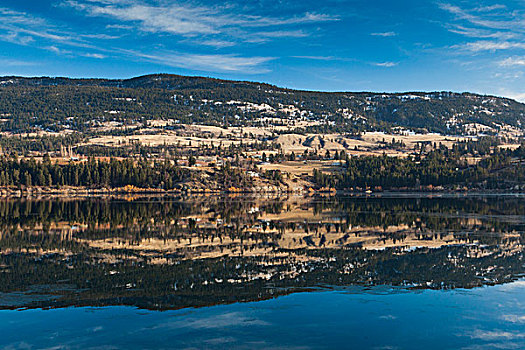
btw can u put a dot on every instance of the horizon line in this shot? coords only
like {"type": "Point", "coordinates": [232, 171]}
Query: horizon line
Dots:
{"type": "Point", "coordinates": [259, 82]}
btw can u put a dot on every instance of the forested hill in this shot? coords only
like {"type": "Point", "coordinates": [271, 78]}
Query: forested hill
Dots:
{"type": "Point", "coordinates": [55, 104]}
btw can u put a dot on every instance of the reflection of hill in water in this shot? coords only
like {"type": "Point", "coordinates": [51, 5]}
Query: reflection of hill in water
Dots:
{"type": "Point", "coordinates": [170, 253]}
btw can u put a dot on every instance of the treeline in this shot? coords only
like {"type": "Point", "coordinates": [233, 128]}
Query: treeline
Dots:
{"type": "Point", "coordinates": [440, 167]}
{"type": "Point", "coordinates": [115, 173]}
{"type": "Point", "coordinates": [171, 217]}
{"type": "Point", "coordinates": [142, 173]}
{"type": "Point", "coordinates": [174, 151]}
{"type": "Point", "coordinates": [164, 216]}
{"type": "Point", "coordinates": [43, 144]}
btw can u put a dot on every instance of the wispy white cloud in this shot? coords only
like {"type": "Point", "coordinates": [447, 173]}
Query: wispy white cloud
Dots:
{"type": "Point", "coordinates": [15, 37]}
{"type": "Point", "coordinates": [100, 36]}
{"type": "Point", "coordinates": [481, 33]}
{"type": "Point", "coordinates": [230, 319]}
{"type": "Point", "coordinates": [493, 37]}
{"type": "Point", "coordinates": [95, 55]}
{"type": "Point", "coordinates": [504, 27]}
{"type": "Point", "coordinates": [175, 19]}
{"type": "Point", "coordinates": [508, 75]}
{"type": "Point", "coordinates": [384, 34]}
{"type": "Point", "coordinates": [385, 64]}
{"type": "Point", "coordinates": [496, 335]}
{"type": "Point", "coordinates": [201, 25]}
{"type": "Point", "coordinates": [513, 61]}
{"type": "Point", "coordinates": [24, 29]}
{"type": "Point", "coordinates": [19, 25]}
{"type": "Point", "coordinates": [57, 50]}
{"type": "Point", "coordinates": [282, 34]}
{"type": "Point", "coordinates": [119, 26]}
{"type": "Point", "coordinates": [317, 58]}
{"type": "Point", "coordinates": [15, 17]}
{"type": "Point", "coordinates": [217, 43]}
{"type": "Point", "coordinates": [205, 62]}
{"type": "Point", "coordinates": [501, 29]}
{"type": "Point", "coordinates": [492, 17]}
{"type": "Point", "coordinates": [187, 19]}
{"type": "Point", "coordinates": [514, 318]}
{"type": "Point", "coordinates": [492, 46]}
{"type": "Point", "coordinates": [490, 8]}
{"type": "Point", "coordinates": [14, 62]}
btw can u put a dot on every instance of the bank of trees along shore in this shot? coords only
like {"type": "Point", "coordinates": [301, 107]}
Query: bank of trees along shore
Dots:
{"type": "Point", "coordinates": [142, 173]}
{"type": "Point", "coordinates": [440, 167]}
{"type": "Point", "coordinates": [114, 173]}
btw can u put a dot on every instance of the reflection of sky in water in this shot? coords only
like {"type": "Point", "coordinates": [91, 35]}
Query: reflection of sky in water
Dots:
{"type": "Point", "coordinates": [481, 318]}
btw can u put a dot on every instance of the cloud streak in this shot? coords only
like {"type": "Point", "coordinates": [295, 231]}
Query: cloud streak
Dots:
{"type": "Point", "coordinates": [492, 46]}
{"type": "Point", "coordinates": [385, 64]}
{"type": "Point", "coordinates": [494, 37]}
{"type": "Point", "coordinates": [12, 62]}
{"type": "Point", "coordinates": [95, 55]}
{"type": "Point", "coordinates": [505, 28]}
{"type": "Point", "coordinates": [496, 335]}
{"type": "Point", "coordinates": [205, 62]}
{"type": "Point", "coordinates": [513, 61]}
{"type": "Point", "coordinates": [493, 17]}
{"type": "Point", "coordinates": [190, 20]}
{"type": "Point", "coordinates": [24, 29]}
{"type": "Point", "coordinates": [384, 34]}
{"type": "Point", "coordinates": [317, 58]}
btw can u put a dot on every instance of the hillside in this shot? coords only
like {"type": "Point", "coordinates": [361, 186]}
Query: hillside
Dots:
{"type": "Point", "coordinates": [58, 104]}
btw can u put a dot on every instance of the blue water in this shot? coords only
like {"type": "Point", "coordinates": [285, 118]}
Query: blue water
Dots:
{"type": "Point", "coordinates": [355, 318]}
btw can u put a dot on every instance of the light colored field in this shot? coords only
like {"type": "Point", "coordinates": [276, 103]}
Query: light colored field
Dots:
{"type": "Point", "coordinates": [369, 143]}
{"type": "Point", "coordinates": [187, 136]}
{"type": "Point", "coordinates": [411, 140]}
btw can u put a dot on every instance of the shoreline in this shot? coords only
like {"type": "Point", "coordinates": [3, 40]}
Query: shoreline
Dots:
{"type": "Point", "coordinates": [75, 192]}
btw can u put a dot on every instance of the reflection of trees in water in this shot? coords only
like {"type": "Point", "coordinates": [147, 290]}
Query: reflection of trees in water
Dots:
{"type": "Point", "coordinates": [166, 253]}
{"type": "Point", "coordinates": [209, 281]}
{"type": "Point", "coordinates": [373, 211]}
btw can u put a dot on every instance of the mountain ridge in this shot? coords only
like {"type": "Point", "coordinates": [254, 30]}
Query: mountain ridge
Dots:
{"type": "Point", "coordinates": [125, 83]}
{"type": "Point", "coordinates": [59, 103]}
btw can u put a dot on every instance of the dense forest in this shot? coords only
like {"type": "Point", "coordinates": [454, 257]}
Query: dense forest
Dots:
{"type": "Point", "coordinates": [111, 174]}
{"type": "Point", "coordinates": [54, 104]}
{"type": "Point", "coordinates": [504, 169]}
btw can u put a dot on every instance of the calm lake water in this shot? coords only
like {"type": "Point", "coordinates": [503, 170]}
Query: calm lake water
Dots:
{"type": "Point", "coordinates": [380, 272]}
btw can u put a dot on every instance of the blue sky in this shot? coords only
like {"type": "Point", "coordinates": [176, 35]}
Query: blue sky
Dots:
{"type": "Point", "coordinates": [354, 45]}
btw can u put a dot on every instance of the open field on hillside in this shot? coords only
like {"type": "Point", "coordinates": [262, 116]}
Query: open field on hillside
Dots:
{"type": "Point", "coordinates": [369, 143]}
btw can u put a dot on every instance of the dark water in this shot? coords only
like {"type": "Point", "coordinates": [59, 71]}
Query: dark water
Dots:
{"type": "Point", "coordinates": [383, 272]}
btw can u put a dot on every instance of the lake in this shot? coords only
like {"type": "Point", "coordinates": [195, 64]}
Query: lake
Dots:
{"type": "Point", "coordinates": [390, 271]}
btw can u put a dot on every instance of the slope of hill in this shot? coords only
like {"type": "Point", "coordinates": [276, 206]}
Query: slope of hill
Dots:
{"type": "Point", "coordinates": [57, 104]}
